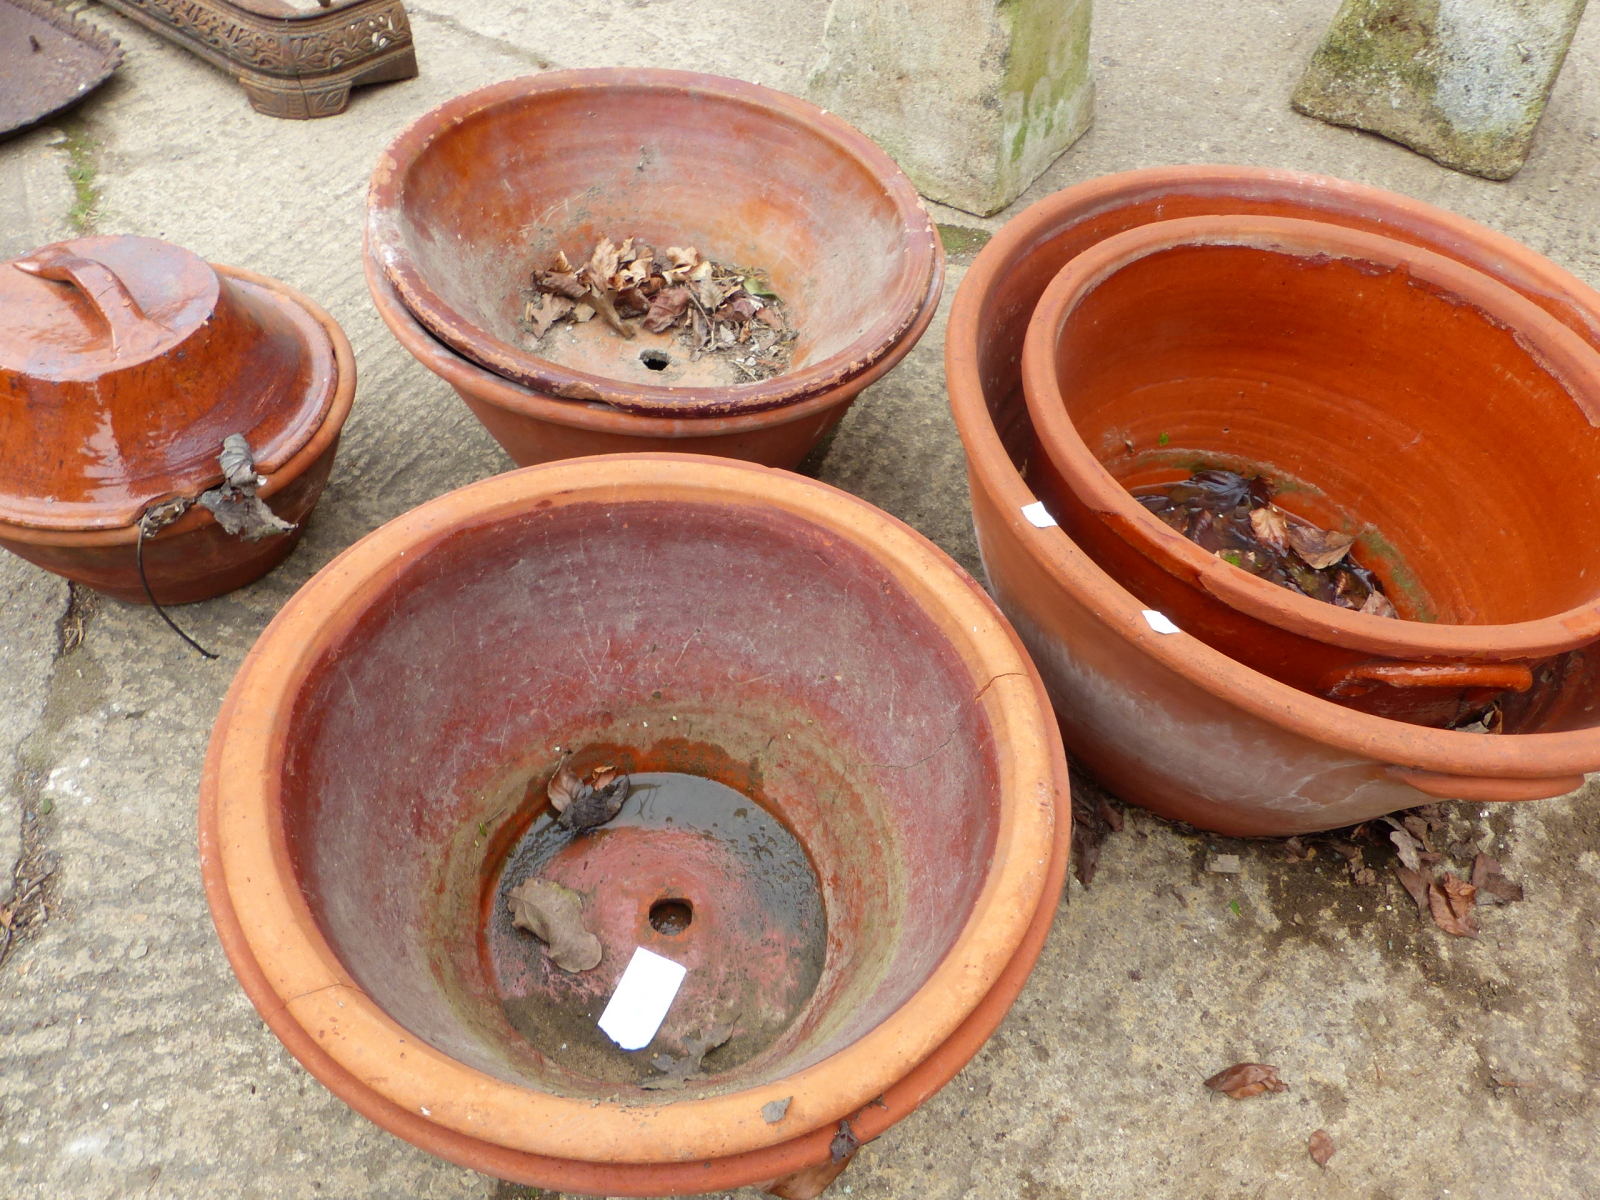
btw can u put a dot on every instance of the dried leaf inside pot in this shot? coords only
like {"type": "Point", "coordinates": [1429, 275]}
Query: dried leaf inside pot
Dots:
{"type": "Point", "coordinates": [1320, 548]}
{"type": "Point", "coordinates": [554, 915]}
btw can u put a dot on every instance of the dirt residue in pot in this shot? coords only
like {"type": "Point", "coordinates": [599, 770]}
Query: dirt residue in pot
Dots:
{"type": "Point", "coordinates": [1235, 518]}
{"type": "Point", "coordinates": [727, 312]}
{"type": "Point", "coordinates": [695, 871]}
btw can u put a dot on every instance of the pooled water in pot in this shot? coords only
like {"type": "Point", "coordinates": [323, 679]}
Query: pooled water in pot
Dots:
{"type": "Point", "coordinates": [1235, 519]}
{"type": "Point", "coordinates": [690, 869]}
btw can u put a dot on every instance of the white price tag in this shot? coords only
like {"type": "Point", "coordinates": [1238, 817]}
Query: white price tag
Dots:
{"type": "Point", "coordinates": [644, 994]}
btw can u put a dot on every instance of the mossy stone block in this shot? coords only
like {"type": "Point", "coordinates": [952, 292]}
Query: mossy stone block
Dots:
{"type": "Point", "coordinates": [1462, 81]}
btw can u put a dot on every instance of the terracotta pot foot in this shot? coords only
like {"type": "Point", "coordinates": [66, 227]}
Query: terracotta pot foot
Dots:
{"type": "Point", "coordinates": [809, 1183]}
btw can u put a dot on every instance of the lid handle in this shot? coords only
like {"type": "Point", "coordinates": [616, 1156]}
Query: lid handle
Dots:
{"type": "Point", "coordinates": [132, 332]}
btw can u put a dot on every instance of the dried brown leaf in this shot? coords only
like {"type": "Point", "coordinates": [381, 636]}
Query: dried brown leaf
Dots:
{"type": "Point", "coordinates": [1416, 883]}
{"type": "Point", "coordinates": [1271, 527]}
{"type": "Point", "coordinates": [741, 308]}
{"type": "Point", "coordinates": [554, 915]}
{"type": "Point", "coordinates": [1451, 902]}
{"type": "Point", "coordinates": [769, 316]}
{"type": "Point", "coordinates": [565, 787]}
{"type": "Point", "coordinates": [1379, 605]}
{"type": "Point", "coordinates": [625, 252]}
{"type": "Point", "coordinates": [1419, 827]}
{"type": "Point", "coordinates": [1298, 851]}
{"type": "Point", "coordinates": [562, 283]}
{"type": "Point", "coordinates": [550, 309]}
{"type": "Point", "coordinates": [1487, 878]}
{"type": "Point", "coordinates": [666, 307]}
{"type": "Point", "coordinates": [583, 311]}
{"type": "Point", "coordinates": [562, 265]}
{"type": "Point", "coordinates": [1319, 548]}
{"type": "Point", "coordinates": [602, 263]}
{"type": "Point", "coordinates": [1320, 1147]}
{"type": "Point", "coordinates": [631, 302]}
{"type": "Point", "coordinates": [1243, 1080]}
{"type": "Point", "coordinates": [675, 1072]}
{"type": "Point", "coordinates": [844, 1144]}
{"type": "Point", "coordinates": [1408, 848]}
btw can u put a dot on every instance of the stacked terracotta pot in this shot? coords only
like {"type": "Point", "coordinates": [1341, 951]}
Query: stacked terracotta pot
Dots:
{"type": "Point", "coordinates": [1396, 372]}
{"type": "Point", "coordinates": [481, 191]}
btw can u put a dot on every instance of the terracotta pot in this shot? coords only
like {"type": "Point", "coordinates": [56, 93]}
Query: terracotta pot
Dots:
{"type": "Point", "coordinates": [387, 743]}
{"type": "Point", "coordinates": [1387, 392]}
{"type": "Point", "coordinates": [534, 428]}
{"type": "Point", "coordinates": [1165, 720]}
{"type": "Point", "coordinates": [127, 361]}
{"type": "Point", "coordinates": [480, 191]}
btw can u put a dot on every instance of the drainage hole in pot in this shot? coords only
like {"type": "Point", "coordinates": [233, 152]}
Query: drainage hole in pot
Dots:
{"type": "Point", "coordinates": [671, 916]}
{"type": "Point", "coordinates": [656, 360]}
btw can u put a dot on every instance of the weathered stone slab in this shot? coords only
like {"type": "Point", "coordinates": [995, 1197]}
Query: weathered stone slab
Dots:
{"type": "Point", "coordinates": [973, 98]}
{"type": "Point", "coordinates": [1462, 81]}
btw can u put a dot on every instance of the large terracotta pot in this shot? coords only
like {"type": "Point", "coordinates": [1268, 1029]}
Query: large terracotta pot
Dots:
{"type": "Point", "coordinates": [477, 193]}
{"type": "Point", "coordinates": [1165, 720]}
{"type": "Point", "coordinates": [269, 361]}
{"type": "Point", "coordinates": [535, 428]}
{"type": "Point", "coordinates": [388, 741]}
{"type": "Point", "coordinates": [1387, 392]}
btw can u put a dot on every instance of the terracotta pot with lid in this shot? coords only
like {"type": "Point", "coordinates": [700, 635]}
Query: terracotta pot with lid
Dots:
{"type": "Point", "coordinates": [125, 362]}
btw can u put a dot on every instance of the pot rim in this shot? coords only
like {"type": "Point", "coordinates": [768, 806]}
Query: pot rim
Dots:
{"type": "Point", "coordinates": [252, 862]}
{"type": "Point", "coordinates": [467, 376]}
{"type": "Point", "coordinates": [1563, 355]}
{"type": "Point", "coordinates": [198, 516]}
{"type": "Point", "coordinates": [899, 309]}
{"type": "Point", "coordinates": [1530, 756]}
{"type": "Point", "coordinates": [806, 1150]}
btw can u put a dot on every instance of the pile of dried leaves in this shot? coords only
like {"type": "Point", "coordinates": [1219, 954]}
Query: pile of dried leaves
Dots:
{"type": "Point", "coordinates": [720, 310]}
{"type": "Point", "coordinates": [1446, 896]}
{"type": "Point", "coordinates": [1235, 519]}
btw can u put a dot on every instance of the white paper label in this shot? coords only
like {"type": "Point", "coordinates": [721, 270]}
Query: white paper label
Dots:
{"type": "Point", "coordinates": [1160, 622]}
{"type": "Point", "coordinates": [644, 994]}
{"type": "Point", "coordinates": [1037, 517]}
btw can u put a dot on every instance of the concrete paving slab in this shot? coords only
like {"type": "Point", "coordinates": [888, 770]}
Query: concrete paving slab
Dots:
{"type": "Point", "coordinates": [132, 1065]}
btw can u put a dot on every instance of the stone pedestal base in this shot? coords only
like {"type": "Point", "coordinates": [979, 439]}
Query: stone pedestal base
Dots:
{"type": "Point", "coordinates": [973, 98]}
{"type": "Point", "coordinates": [1462, 81]}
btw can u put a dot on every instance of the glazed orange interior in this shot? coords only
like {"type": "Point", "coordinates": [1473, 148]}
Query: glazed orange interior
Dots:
{"type": "Point", "coordinates": [1379, 404]}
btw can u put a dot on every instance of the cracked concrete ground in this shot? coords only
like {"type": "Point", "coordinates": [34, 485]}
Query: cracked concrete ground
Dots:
{"type": "Point", "coordinates": [132, 1065]}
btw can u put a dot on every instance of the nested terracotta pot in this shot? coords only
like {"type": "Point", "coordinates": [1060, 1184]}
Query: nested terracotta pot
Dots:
{"type": "Point", "coordinates": [124, 364]}
{"type": "Point", "coordinates": [535, 428]}
{"type": "Point", "coordinates": [484, 189]}
{"type": "Point", "coordinates": [381, 763]}
{"type": "Point", "coordinates": [1165, 720]}
{"type": "Point", "coordinates": [1385, 392]}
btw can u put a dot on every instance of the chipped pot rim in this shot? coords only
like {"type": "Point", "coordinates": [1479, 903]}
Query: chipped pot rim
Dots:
{"type": "Point", "coordinates": [918, 285]}
{"type": "Point", "coordinates": [263, 915]}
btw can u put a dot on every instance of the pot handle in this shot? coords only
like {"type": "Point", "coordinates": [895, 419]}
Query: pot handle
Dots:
{"type": "Point", "coordinates": [1499, 677]}
{"type": "Point", "coordinates": [132, 332]}
{"type": "Point", "coordinates": [1480, 787]}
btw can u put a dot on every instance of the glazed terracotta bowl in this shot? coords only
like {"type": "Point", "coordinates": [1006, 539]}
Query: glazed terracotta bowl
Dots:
{"type": "Point", "coordinates": [1385, 392]}
{"type": "Point", "coordinates": [1165, 720]}
{"type": "Point", "coordinates": [479, 192]}
{"type": "Point", "coordinates": [384, 755]}
{"type": "Point", "coordinates": [136, 415]}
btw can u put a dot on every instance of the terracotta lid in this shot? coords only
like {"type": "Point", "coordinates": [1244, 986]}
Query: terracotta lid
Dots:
{"type": "Point", "coordinates": [124, 363]}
